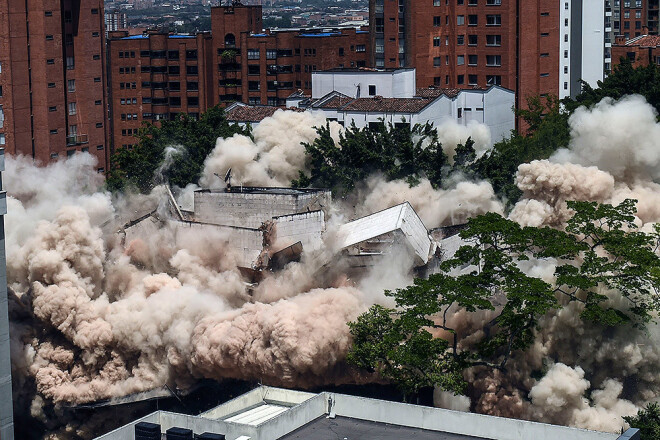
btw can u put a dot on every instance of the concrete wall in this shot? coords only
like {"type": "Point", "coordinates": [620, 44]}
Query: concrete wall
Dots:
{"type": "Point", "coordinates": [456, 422]}
{"type": "Point", "coordinates": [498, 113]}
{"type": "Point", "coordinates": [593, 41]}
{"type": "Point", "coordinates": [393, 84]}
{"type": "Point", "coordinates": [6, 401]}
{"type": "Point", "coordinates": [250, 210]}
{"type": "Point", "coordinates": [307, 228]}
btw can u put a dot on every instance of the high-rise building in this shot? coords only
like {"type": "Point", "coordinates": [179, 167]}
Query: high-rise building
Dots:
{"type": "Point", "coordinates": [115, 20]}
{"type": "Point", "coordinates": [158, 76]}
{"type": "Point", "coordinates": [471, 43]}
{"type": "Point", "coordinates": [52, 100]}
{"type": "Point", "coordinates": [6, 402]}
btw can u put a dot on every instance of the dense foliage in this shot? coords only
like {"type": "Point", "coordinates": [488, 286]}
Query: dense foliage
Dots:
{"type": "Point", "coordinates": [397, 152]}
{"type": "Point", "coordinates": [624, 80]}
{"type": "Point", "coordinates": [186, 141]}
{"type": "Point", "coordinates": [647, 421]}
{"type": "Point", "coordinates": [600, 249]}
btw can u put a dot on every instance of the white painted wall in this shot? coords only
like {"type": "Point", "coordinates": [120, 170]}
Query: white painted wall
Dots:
{"type": "Point", "coordinates": [391, 84]}
{"type": "Point", "coordinates": [565, 63]}
{"type": "Point", "coordinates": [593, 41]}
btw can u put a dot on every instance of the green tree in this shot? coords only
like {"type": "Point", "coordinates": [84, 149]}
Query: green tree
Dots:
{"type": "Point", "coordinates": [624, 80]}
{"type": "Point", "coordinates": [600, 249]}
{"type": "Point", "coordinates": [548, 131]}
{"type": "Point", "coordinates": [396, 151]}
{"type": "Point", "coordinates": [647, 421]}
{"type": "Point", "coordinates": [189, 140]}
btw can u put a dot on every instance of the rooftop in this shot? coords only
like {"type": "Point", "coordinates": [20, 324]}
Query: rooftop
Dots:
{"type": "Point", "coordinates": [325, 428]}
{"type": "Point", "coordinates": [264, 190]}
{"type": "Point", "coordinates": [253, 113]}
{"type": "Point", "coordinates": [388, 105]}
{"type": "Point", "coordinates": [267, 413]}
{"type": "Point", "coordinates": [434, 92]}
{"type": "Point", "coordinates": [644, 41]}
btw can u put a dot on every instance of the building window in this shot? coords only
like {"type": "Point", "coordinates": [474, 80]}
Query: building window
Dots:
{"type": "Point", "coordinates": [51, 85]}
{"type": "Point", "coordinates": [70, 63]}
{"type": "Point", "coordinates": [360, 48]}
{"type": "Point", "coordinates": [191, 54]}
{"type": "Point", "coordinates": [52, 108]}
{"type": "Point", "coordinates": [436, 41]}
{"type": "Point", "coordinates": [472, 40]}
{"type": "Point", "coordinates": [473, 20]}
{"type": "Point", "coordinates": [493, 40]}
{"type": "Point", "coordinates": [50, 61]}
{"type": "Point", "coordinates": [460, 39]}
{"type": "Point", "coordinates": [95, 11]}
{"type": "Point", "coordinates": [271, 54]}
{"type": "Point", "coordinates": [437, 61]}
{"type": "Point", "coordinates": [472, 80]}
{"type": "Point", "coordinates": [494, 20]}
{"type": "Point", "coordinates": [2, 139]}
{"type": "Point", "coordinates": [472, 60]}
{"type": "Point", "coordinates": [460, 79]}
{"type": "Point", "coordinates": [193, 101]}
{"type": "Point", "coordinates": [72, 108]}
{"type": "Point", "coordinates": [95, 34]}
{"type": "Point", "coordinates": [253, 54]}
{"type": "Point", "coordinates": [99, 124]}
{"type": "Point", "coordinates": [48, 13]}
{"type": "Point", "coordinates": [191, 70]}
{"type": "Point", "coordinates": [493, 2]}
{"type": "Point", "coordinates": [97, 79]}
{"type": "Point", "coordinates": [49, 37]}
{"type": "Point", "coordinates": [493, 60]}
{"type": "Point", "coordinates": [254, 86]}
{"type": "Point", "coordinates": [460, 20]}
{"type": "Point", "coordinates": [437, 21]}
{"type": "Point", "coordinates": [460, 60]}
{"type": "Point", "coordinates": [98, 102]}
{"type": "Point", "coordinates": [71, 85]}
{"type": "Point", "coordinates": [545, 75]}
{"type": "Point", "coordinates": [372, 90]}
{"type": "Point", "coordinates": [96, 57]}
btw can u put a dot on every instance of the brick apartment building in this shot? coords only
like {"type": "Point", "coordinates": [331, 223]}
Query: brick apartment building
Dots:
{"type": "Point", "coordinates": [468, 43]}
{"type": "Point", "coordinates": [52, 100]}
{"type": "Point", "coordinates": [641, 51]}
{"type": "Point", "coordinates": [157, 76]}
{"type": "Point", "coordinates": [634, 18]}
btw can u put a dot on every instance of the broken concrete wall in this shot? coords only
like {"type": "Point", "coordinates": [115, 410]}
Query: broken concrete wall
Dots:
{"type": "Point", "coordinates": [253, 206]}
{"type": "Point", "coordinates": [306, 228]}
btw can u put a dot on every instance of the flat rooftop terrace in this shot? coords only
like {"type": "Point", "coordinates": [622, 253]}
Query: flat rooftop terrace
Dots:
{"type": "Point", "coordinates": [264, 190]}
{"type": "Point", "coordinates": [349, 428]}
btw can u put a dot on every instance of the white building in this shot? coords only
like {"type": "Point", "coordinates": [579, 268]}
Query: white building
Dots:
{"type": "Point", "coordinates": [585, 44]}
{"type": "Point", "coordinates": [267, 413]}
{"type": "Point", "coordinates": [6, 401]}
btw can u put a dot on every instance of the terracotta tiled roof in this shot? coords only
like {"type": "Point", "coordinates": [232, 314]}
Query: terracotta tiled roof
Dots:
{"type": "Point", "coordinates": [298, 94]}
{"type": "Point", "coordinates": [336, 102]}
{"type": "Point", "coordinates": [434, 92]}
{"type": "Point", "coordinates": [645, 41]}
{"type": "Point", "coordinates": [249, 113]}
{"type": "Point", "coordinates": [389, 105]}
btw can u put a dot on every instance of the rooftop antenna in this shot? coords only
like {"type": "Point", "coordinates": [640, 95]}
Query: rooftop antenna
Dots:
{"type": "Point", "coordinates": [227, 178]}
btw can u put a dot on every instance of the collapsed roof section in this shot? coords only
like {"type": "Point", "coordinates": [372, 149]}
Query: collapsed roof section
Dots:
{"type": "Point", "coordinates": [378, 232]}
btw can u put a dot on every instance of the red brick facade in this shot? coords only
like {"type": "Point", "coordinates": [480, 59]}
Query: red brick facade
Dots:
{"type": "Point", "coordinates": [52, 61]}
{"type": "Point", "coordinates": [467, 43]}
{"type": "Point", "coordinates": [154, 77]}
{"type": "Point", "coordinates": [633, 18]}
{"type": "Point", "coordinates": [642, 51]}
{"type": "Point", "coordinates": [236, 62]}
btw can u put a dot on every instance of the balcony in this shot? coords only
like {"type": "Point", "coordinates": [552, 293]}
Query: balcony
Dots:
{"type": "Point", "coordinates": [76, 139]}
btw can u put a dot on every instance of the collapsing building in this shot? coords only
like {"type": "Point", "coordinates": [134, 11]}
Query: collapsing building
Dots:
{"type": "Point", "coordinates": [268, 227]}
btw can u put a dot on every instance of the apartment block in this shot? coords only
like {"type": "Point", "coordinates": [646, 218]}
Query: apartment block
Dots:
{"type": "Point", "coordinates": [634, 18]}
{"type": "Point", "coordinates": [156, 76]}
{"type": "Point", "coordinates": [470, 43]}
{"type": "Point", "coordinates": [265, 67]}
{"type": "Point", "coordinates": [52, 100]}
{"type": "Point", "coordinates": [641, 51]}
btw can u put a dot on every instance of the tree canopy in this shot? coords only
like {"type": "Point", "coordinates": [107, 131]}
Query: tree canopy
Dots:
{"type": "Point", "coordinates": [647, 420]}
{"type": "Point", "coordinates": [189, 141]}
{"type": "Point", "coordinates": [397, 152]}
{"type": "Point", "coordinates": [599, 250]}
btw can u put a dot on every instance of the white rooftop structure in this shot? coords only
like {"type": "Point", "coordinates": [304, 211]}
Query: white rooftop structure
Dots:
{"type": "Point", "coordinates": [400, 220]}
{"type": "Point", "coordinates": [267, 413]}
{"type": "Point", "coordinates": [362, 83]}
